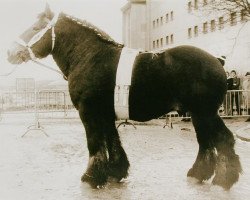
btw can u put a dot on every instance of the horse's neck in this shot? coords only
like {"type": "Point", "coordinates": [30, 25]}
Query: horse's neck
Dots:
{"type": "Point", "coordinates": [75, 45]}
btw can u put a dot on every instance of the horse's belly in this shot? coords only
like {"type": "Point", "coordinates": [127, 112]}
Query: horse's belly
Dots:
{"type": "Point", "coordinates": [147, 108]}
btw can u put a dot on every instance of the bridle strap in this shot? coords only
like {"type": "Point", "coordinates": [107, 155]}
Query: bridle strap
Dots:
{"type": "Point", "coordinates": [37, 37]}
{"type": "Point", "coordinates": [40, 34]}
{"type": "Point", "coordinates": [53, 37]}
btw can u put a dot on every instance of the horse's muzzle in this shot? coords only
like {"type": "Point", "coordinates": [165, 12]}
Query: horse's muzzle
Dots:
{"type": "Point", "coordinates": [18, 54]}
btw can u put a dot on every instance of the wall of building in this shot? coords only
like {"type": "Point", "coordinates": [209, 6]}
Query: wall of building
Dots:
{"type": "Point", "coordinates": [134, 24]}
{"type": "Point", "coordinates": [168, 22]}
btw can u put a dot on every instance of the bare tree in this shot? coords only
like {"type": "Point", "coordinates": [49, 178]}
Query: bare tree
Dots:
{"type": "Point", "coordinates": [231, 10]}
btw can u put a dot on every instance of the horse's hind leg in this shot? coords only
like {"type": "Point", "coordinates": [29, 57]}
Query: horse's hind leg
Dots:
{"type": "Point", "coordinates": [212, 133]}
{"type": "Point", "coordinates": [204, 166]}
{"type": "Point", "coordinates": [228, 165]}
{"type": "Point", "coordinates": [118, 162]}
{"type": "Point", "coordinates": [97, 170]}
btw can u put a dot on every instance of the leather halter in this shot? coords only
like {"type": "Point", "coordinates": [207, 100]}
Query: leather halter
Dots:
{"type": "Point", "coordinates": [39, 35]}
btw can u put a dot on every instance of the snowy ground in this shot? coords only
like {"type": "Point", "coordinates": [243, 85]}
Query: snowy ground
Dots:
{"type": "Point", "coordinates": [37, 167]}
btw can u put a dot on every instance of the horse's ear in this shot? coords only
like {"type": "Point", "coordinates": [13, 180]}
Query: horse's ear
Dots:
{"type": "Point", "coordinates": [49, 14]}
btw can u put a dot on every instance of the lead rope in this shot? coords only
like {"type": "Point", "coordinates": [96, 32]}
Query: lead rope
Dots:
{"type": "Point", "coordinates": [48, 67]}
{"type": "Point", "coordinates": [38, 63]}
{"type": "Point", "coordinates": [9, 73]}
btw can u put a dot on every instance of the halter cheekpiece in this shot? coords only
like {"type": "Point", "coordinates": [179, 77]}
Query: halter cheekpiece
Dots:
{"type": "Point", "coordinates": [39, 35]}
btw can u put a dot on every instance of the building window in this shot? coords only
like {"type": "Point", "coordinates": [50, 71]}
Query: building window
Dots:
{"type": "Point", "coordinates": [212, 23]}
{"type": "Point", "coordinates": [153, 44]}
{"type": "Point", "coordinates": [195, 4]}
{"type": "Point", "coordinates": [161, 20]}
{"type": "Point", "coordinates": [233, 19]}
{"type": "Point", "coordinates": [243, 15]}
{"type": "Point", "coordinates": [154, 24]}
{"type": "Point", "coordinates": [172, 15]}
{"type": "Point", "coordinates": [157, 22]}
{"type": "Point", "coordinates": [161, 42]}
{"type": "Point", "coordinates": [221, 22]}
{"type": "Point", "coordinates": [205, 27]}
{"type": "Point", "coordinates": [157, 43]}
{"type": "Point", "coordinates": [167, 18]}
{"type": "Point", "coordinates": [189, 6]}
{"type": "Point", "coordinates": [196, 31]}
{"type": "Point", "coordinates": [167, 40]}
{"type": "Point", "coordinates": [172, 38]}
{"type": "Point", "coordinates": [189, 32]}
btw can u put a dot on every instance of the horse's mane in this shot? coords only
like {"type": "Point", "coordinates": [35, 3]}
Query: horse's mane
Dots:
{"type": "Point", "coordinates": [101, 34]}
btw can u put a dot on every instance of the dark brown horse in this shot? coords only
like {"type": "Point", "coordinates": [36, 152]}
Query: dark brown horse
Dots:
{"type": "Point", "coordinates": [183, 78]}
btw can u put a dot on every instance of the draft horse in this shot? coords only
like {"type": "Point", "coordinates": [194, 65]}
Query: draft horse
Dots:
{"type": "Point", "coordinates": [183, 78]}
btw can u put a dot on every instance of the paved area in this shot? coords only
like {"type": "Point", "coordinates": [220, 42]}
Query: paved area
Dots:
{"type": "Point", "coordinates": [37, 167]}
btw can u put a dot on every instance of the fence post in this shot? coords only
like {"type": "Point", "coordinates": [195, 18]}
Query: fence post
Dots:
{"type": "Point", "coordinates": [37, 126]}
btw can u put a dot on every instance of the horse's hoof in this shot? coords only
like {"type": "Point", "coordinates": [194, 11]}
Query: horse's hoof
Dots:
{"type": "Point", "coordinates": [93, 181]}
{"type": "Point", "coordinates": [116, 174]}
{"type": "Point", "coordinates": [112, 179]}
{"type": "Point", "coordinates": [227, 171]}
{"type": "Point", "coordinates": [200, 175]}
{"type": "Point", "coordinates": [222, 183]}
{"type": "Point", "coordinates": [192, 174]}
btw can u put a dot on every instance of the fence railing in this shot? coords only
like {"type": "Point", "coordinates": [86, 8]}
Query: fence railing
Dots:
{"type": "Point", "coordinates": [236, 104]}
{"type": "Point", "coordinates": [57, 104]}
{"type": "Point", "coordinates": [47, 103]}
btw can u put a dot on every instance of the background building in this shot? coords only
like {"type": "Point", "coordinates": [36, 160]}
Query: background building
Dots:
{"type": "Point", "coordinates": [154, 25]}
{"type": "Point", "coordinates": [134, 24]}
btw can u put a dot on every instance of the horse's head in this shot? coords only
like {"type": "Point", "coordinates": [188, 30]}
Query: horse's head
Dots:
{"type": "Point", "coordinates": [36, 42]}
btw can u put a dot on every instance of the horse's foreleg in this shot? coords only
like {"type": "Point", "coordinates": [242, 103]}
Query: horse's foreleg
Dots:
{"type": "Point", "coordinates": [96, 173]}
{"type": "Point", "coordinates": [228, 165]}
{"type": "Point", "coordinates": [118, 161]}
{"type": "Point", "coordinates": [204, 166]}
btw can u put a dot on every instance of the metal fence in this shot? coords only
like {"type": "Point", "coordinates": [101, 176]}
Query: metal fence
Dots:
{"type": "Point", "coordinates": [57, 104]}
{"type": "Point", "coordinates": [17, 101]}
{"type": "Point", "coordinates": [236, 104]}
{"type": "Point", "coordinates": [46, 103]}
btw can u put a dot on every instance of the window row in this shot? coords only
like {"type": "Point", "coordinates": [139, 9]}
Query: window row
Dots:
{"type": "Point", "coordinates": [213, 24]}
{"type": "Point", "coordinates": [195, 4]}
{"type": "Point", "coordinates": [163, 41]}
{"type": "Point", "coordinates": [163, 19]}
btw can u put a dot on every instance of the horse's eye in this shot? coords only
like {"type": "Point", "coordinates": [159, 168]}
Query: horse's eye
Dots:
{"type": "Point", "coordinates": [39, 27]}
{"type": "Point", "coordinates": [36, 28]}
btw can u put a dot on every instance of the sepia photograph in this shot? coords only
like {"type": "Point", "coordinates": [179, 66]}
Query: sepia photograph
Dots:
{"type": "Point", "coordinates": [125, 99]}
